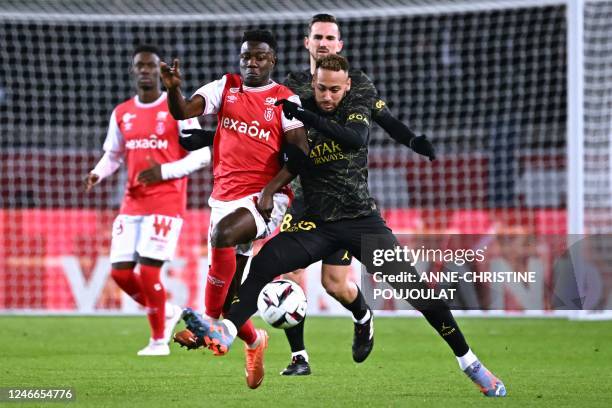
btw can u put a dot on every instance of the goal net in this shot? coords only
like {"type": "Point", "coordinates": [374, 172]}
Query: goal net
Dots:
{"type": "Point", "coordinates": [486, 81]}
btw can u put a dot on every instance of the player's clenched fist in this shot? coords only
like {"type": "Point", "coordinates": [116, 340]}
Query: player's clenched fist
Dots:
{"type": "Point", "coordinates": [90, 180]}
{"type": "Point", "coordinates": [170, 75]}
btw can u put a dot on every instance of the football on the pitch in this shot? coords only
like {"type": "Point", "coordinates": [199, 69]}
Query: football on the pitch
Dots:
{"type": "Point", "coordinates": [282, 304]}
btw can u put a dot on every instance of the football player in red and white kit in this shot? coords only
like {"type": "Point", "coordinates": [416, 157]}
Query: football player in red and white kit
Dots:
{"type": "Point", "coordinates": [142, 133]}
{"type": "Point", "coordinates": [250, 132]}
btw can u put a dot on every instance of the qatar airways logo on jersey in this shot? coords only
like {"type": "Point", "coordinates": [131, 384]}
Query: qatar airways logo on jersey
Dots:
{"type": "Point", "coordinates": [252, 129]}
{"type": "Point", "coordinates": [151, 143]}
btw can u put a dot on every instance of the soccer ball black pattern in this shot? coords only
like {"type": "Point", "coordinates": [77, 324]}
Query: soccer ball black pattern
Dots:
{"type": "Point", "coordinates": [282, 304]}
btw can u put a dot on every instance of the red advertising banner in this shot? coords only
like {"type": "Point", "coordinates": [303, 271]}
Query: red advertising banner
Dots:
{"type": "Point", "coordinates": [57, 259]}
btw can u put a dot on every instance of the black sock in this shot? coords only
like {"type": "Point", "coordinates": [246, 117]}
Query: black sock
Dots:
{"type": "Point", "coordinates": [357, 307]}
{"type": "Point", "coordinates": [443, 321]}
{"type": "Point", "coordinates": [295, 336]}
{"type": "Point", "coordinates": [437, 313]}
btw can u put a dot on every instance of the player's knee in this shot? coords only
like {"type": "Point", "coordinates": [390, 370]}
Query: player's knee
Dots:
{"type": "Point", "coordinates": [267, 264]}
{"type": "Point", "coordinates": [223, 236]}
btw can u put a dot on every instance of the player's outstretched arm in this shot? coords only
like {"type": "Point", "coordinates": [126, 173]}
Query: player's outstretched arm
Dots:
{"type": "Point", "coordinates": [353, 134]}
{"type": "Point", "coordinates": [393, 126]}
{"type": "Point", "coordinates": [404, 135]}
{"type": "Point", "coordinates": [179, 107]}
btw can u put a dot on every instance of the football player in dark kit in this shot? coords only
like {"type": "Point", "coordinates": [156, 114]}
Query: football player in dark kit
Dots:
{"type": "Point", "coordinates": [339, 210]}
{"type": "Point", "coordinates": [323, 38]}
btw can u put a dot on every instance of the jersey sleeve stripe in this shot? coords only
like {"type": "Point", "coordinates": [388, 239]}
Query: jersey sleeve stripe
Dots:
{"type": "Point", "coordinates": [293, 126]}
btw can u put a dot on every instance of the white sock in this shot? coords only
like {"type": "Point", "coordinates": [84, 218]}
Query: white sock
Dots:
{"type": "Point", "coordinates": [466, 360]}
{"type": "Point", "coordinates": [169, 310]}
{"type": "Point", "coordinates": [364, 318]}
{"type": "Point", "coordinates": [231, 327]}
{"type": "Point", "coordinates": [302, 353]}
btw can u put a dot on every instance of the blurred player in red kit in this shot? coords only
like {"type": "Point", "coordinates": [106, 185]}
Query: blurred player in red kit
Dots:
{"type": "Point", "coordinates": [144, 135]}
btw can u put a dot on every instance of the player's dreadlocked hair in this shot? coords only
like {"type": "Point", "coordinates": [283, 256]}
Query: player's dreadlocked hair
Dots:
{"type": "Point", "coordinates": [260, 36]}
{"type": "Point", "coordinates": [322, 18]}
{"type": "Point", "coordinates": [146, 48]}
{"type": "Point", "coordinates": [333, 62]}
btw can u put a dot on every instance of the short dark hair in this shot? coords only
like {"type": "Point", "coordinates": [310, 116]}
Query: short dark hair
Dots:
{"type": "Point", "coordinates": [146, 48]}
{"type": "Point", "coordinates": [333, 62]}
{"type": "Point", "coordinates": [323, 18]}
{"type": "Point", "coordinates": [265, 36]}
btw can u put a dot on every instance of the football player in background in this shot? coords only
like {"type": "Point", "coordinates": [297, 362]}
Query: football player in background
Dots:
{"type": "Point", "coordinates": [143, 135]}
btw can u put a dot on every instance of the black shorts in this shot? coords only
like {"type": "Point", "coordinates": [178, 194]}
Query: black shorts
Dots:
{"type": "Point", "coordinates": [301, 244]}
{"type": "Point", "coordinates": [341, 257]}
{"type": "Point", "coordinates": [330, 241]}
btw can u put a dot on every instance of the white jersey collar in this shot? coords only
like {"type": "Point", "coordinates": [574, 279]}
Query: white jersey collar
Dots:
{"type": "Point", "coordinates": [271, 85]}
{"type": "Point", "coordinates": [153, 104]}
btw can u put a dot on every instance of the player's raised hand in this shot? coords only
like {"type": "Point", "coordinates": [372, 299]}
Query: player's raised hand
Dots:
{"type": "Point", "coordinates": [423, 146]}
{"type": "Point", "coordinates": [196, 139]}
{"type": "Point", "coordinates": [151, 175]}
{"type": "Point", "coordinates": [264, 204]}
{"type": "Point", "coordinates": [170, 75]}
{"type": "Point", "coordinates": [290, 109]}
{"type": "Point", "coordinates": [90, 180]}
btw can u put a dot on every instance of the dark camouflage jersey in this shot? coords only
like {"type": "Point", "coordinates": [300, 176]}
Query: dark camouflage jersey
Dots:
{"type": "Point", "coordinates": [301, 84]}
{"type": "Point", "coordinates": [335, 180]}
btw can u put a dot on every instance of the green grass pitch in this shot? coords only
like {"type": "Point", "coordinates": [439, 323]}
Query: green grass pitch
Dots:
{"type": "Point", "coordinates": [543, 362]}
